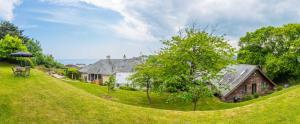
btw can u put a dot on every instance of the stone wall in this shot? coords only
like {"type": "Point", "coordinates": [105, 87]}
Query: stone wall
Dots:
{"type": "Point", "coordinates": [263, 86]}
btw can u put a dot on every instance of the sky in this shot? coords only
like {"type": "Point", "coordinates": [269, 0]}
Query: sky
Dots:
{"type": "Point", "coordinates": [93, 29]}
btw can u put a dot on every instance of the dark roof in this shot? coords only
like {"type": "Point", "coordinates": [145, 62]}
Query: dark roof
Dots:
{"type": "Point", "coordinates": [110, 66]}
{"type": "Point", "coordinates": [234, 75]}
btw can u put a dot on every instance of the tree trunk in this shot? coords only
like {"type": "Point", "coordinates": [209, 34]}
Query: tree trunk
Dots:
{"type": "Point", "coordinates": [72, 76]}
{"type": "Point", "coordinates": [195, 104]}
{"type": "Point", "coordinates": [108, 88]}
{"type": "Point", "coordinates": [148, 94]}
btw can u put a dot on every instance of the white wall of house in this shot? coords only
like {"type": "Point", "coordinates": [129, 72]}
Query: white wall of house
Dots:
{"type": "Point", "coordinates": [122, 78]}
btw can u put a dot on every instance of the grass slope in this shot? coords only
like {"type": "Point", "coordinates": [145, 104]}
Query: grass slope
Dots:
{"type": "Point", "coordinates": [43, 99]}
{"type": "Point", "coordinates": [138, 98]}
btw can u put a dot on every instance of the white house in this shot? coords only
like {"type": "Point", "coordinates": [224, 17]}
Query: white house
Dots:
{"type": "Point", "coordinates": [122, 78]}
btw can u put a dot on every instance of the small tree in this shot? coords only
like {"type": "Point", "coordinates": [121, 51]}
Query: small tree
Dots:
{"type": "Point", "coordinates": [146, 76]}
{"type": "Point", "coordinates": [110, 83]}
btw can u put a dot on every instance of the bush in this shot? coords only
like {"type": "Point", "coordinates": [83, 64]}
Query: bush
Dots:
{"type": "Point", "coordinates": [293, 82]}
{"type": "Point", "coordinates": [248, 97]}
{"type": "Point", "coordinates": [73, 73]}
{"type": "Point", "coordinates": [60, 71]}
{"type": "Point", "coordinates": [128, 88]}
{"type": "Point", "coordinates": [278, 88]}
{"type": "Point", "coordinates": [255, 95]}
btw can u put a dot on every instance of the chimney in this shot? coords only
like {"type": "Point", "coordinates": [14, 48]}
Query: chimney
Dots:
{"type": "Point", "coordinates": [124, 56]}
{"type": "Point", "coordinates": [108, 57]}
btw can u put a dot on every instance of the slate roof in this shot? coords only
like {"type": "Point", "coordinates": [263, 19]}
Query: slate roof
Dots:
{"type": "Point", "coordinates": [110, 66]}
{"type": "Point", "coordinates": [233, 76]}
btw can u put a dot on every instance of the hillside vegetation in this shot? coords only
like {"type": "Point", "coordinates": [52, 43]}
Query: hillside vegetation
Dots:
{"type": "Point", "coordinates": [43, 99]}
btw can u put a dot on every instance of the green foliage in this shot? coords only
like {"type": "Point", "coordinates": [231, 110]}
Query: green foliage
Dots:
{"type": "Point", "coordinates": [147, 75]}
{"type": "Point", "coordinates": [276, 49]}
{"type": "Point", "coordinates": [7, 28]}
{"type": "Point", "coordinates": [255, 95]}
{"type": "Point", "coordinates": [293, 81]}
{"type": "Point", "coordinates": [278, 88]}
{"type": "Point", "coordinates": [110, 83]}
{"type": "Point", "coordinates": [73, 73]}
{"type": "Point", "coordinates": [48, 61]}
{"type": "Point", "coordinates": [185, 64]}
{"type": "Point", "coordinates": [192, 59]}
{"type": "Point", "coordinates": [34, 47]}
{"type": "Point", "coordinates": [13, 40]}
{"type": "Point", "coordinates": [10, 44]}
{"type": "Point", "coordinates": [127, 88]}
{"type": "Point", "coordinates": [248, 97]}
{"type": "Point", "coordinates": [25, 62]}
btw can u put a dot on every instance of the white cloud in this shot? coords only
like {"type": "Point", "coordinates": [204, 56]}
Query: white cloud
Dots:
{"type": "Point", "coordinates": [7, 7]}
{"type": "Point", "coordinates": [152, 20]}
{"type": "Point", "coordinates": [132, 27]}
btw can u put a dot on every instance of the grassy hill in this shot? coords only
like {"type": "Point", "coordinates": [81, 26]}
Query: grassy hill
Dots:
{"type": "Point", "coordinates": [43, 99]}
{"type": "Point", "coordinates": [160, 101]}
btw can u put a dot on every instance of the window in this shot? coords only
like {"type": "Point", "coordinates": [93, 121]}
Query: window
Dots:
{"type": "Point", "coordinates": [253, 88]}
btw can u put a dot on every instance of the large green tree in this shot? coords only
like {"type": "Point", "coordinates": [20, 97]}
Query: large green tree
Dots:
{"type": "Point", "coordinates": [275, 49]}
{"type": "Point", "coordinates": [190, 60]}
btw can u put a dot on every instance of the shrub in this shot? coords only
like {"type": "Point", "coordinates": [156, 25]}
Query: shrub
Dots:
{"type": "Point", "coordinates": [248, 97]}
{"type": "Point", "coordinates": [255, 95]}
{"type": "Point", "coordinates": [73, 73]}
{"type": "Point", "coordinates": [278, 88]}
{"type": "Point", "coordinates": [60, 71]}
{"type": "Point", "coordinates": [128, 88]}
{"type": "Point", "coordinates": [293, 82]}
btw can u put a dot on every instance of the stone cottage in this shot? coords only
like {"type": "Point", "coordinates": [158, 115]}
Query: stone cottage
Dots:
{"type": "Point", "coordinates": [241, 80]}
{"type": "Point", "coordinates": [100, 71]}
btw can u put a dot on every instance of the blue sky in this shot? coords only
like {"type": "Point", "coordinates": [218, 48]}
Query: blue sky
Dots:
{"type": "Point", "coordinates": [93, 29]}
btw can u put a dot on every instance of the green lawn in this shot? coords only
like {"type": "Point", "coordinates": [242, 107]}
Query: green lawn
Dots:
{"type": "Point", "coordinates": [43, 99]}
{"type": "Point", "coordinates": [138, 98]}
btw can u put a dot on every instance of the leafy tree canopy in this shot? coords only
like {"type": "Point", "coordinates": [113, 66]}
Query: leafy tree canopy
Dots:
{"type": "Point", "coordinates": [186, 63]}
{"type": "Point", "coordinates": [275, 49]}
{"type": "Point", "coordinates": [191, 60]}
{"type": "Point", "coordinates": [9, 28]}
{"type": "Point", "coordinates": [10, 44]}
